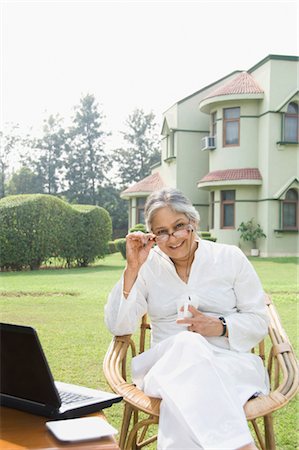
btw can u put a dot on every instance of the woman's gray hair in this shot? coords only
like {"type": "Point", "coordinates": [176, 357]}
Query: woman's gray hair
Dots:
{"type": "Point", "coordinates": [172, 198]}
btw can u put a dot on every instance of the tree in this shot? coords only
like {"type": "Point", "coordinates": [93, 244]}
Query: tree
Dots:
{"type": "Point", "coordinates": [51, 147]}
{"type": "Point", "coordinates": [109, 198]}
{"type": "Point", "coordinates": [87, 162]}
{"type": "Point", "coordinates": [9, 141]}
{"type": "Point", "coordinates": [24, 181]}
{"type": "Point", "coordinates": [142, 149]}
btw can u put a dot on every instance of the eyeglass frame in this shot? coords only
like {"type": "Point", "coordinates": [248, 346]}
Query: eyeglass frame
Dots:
{"type": "Point", "coordinates": [164, 237]}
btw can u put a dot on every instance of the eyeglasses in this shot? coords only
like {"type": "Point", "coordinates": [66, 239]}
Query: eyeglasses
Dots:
{"type": "Point", "coordinates": [182, 232]}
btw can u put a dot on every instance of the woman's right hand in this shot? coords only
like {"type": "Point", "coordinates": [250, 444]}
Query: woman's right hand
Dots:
{"type": "Point", "coordinates": [138, 246]}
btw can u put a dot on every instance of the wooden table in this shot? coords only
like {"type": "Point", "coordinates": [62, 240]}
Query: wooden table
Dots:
{"type": "Point", "coordinates": [20, 430]}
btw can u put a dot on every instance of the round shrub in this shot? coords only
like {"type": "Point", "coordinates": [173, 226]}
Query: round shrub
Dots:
{"type": "Point", "coordinates": [31, 229]}
{"type": "Point", "coordinates": [120, 245]}
{"type": "Point", "coordinates": [138, 227]}
{"type": "Point", "coordinates": [93, 233]}
{"type": "Point", "coordinates": [207, 236]}
{"type": "Point", "coordinates": [111, 247]}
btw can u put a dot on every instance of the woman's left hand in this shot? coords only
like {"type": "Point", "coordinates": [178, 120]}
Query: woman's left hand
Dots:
{"type": "Point", "coordinates": [201, 323]}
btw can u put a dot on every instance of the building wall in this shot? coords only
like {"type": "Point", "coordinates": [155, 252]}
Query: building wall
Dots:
{"type": "Point", "coordinates": [193, 164]}
{"type": "Point", "coordinates": [259, 148]}
{"type": "Point", "coordinates": [246, 154]}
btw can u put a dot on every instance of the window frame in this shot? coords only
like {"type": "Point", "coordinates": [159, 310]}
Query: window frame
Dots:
{"type": "Point", "coordinates": [294, 202]}
{"type": "Point", "coordinates": [140, 209]}
{"type": "Point", "coordinates": [225, 121]}
{"type": "Point", "coordinates": [213, 125]}
{"type": "Point", "coordinates": [223, 204]}
{"type": "Point", "coordinates": [288, 115]}
{"type": "Point", "coordinates": [212, 203]}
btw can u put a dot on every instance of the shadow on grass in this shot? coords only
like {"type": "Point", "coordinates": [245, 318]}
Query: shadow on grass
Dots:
{"type": "Point", "coordinates": [51, 271]}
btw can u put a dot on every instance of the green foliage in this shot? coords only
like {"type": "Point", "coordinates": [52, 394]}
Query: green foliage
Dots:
{"type": "Point", "coordinates": [86, 162]}
{"type": "Point", "coordinates": [120, 245]}
{"type": "Point", "coordinates": [138, 227]}
{"type": "Point", "coordinates": [34, 228]}
{"type": "Point", "coordinates": [251, 231]}
{"type": "Point", "coordinates": [142, 149]}
{"type": "Point", "coordinates": [31, 228]}
{"type": "Point", "coordinates": [50, 149]}
{"type": "Point", "coordinates": [9, 141]}
{"type": "Point", "coordinates": [207, 236]}
{"type": "Point", "coordinates": [111, 247]}
{"type": "Point", "coordinates": [24, 181]}
{"type": "Point", "coordinates": [109, 198]}
{"type": "Point", "coordinates": [94, 232]}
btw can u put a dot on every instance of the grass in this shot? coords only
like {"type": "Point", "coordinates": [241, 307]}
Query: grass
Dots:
{"type": "Point", "coordinates": [66, 307]}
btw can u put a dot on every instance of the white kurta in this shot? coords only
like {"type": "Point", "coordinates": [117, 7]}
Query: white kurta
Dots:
{"type": "Point", "coordinates": [203, 382]}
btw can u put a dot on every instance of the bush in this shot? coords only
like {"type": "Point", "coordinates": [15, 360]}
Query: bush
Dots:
{"type": "Point", "coordinates": [138, 227]}
{"type": "Point", "coordinates": [31, 229]}
{"type": "Point", "coordinates": [251, 232]}
{"type": "Point", "coordinates": [206, 235]}
{"type": "Point", "coordinates": [120, 245]}
{"type": "Point", "coordinates": [94, 231]}
{"type": "Point", "coordinates": [111, 248]}
{"type": "Point", "coordinates": [36, 227]}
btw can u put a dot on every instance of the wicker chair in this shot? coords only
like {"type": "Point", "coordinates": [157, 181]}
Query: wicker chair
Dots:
{"type": "Point", "coordinates": [282, 367]}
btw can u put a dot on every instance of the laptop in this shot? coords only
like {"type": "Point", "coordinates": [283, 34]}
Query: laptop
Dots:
{"type": "Point", "coordinates": [27, 382]}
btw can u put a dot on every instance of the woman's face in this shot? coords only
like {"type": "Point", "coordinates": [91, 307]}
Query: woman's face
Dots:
{"type": "Point", "coordinates": [166, 221]}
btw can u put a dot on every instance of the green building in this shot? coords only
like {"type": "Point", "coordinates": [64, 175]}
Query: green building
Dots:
{"type": "Point", "coordinates": [232, 148]}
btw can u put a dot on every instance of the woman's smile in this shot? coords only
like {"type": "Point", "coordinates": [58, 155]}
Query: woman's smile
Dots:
{"type": "Point", "coordinates": [176, 246]}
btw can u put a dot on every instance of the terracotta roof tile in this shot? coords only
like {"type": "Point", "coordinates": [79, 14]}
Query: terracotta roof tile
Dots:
{"type": "Point", "coordinates": [232, 174]}
{"type": "Point", "coordinates": [149, 184]}
{"type": "Point", "coordinates": [243, 83]}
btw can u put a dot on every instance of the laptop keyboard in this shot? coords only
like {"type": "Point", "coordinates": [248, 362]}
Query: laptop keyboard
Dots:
{"type": "Point", "coordinates": [71, 397]}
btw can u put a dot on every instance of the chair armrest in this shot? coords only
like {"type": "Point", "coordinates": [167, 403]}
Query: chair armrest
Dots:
{"type": "Point", "coordinates": [114, 367]}
{"type": "Point", "coordinates": [282, 368]}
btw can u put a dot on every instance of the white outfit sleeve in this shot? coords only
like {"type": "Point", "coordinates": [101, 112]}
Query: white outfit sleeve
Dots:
{"type": "Point", "coordinates": [122, 315]}
{"type": "Point", "coordinates": [249, 324]}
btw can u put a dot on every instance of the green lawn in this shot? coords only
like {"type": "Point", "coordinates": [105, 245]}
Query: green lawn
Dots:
{"type": "Point", "coordinates": [66, 308]}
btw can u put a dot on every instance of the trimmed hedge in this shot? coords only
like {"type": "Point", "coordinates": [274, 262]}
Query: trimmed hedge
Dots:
{"type": "Point", "coordinates": [36, 227]}
{"type": "Point", "coordinates": [95, 230]}
{"type": "Point", "coordinates": [207, 236]}
{"type": "Point", "coordinates": [120, 245]}
{"type": "Point", "coordinates": [138, 227]}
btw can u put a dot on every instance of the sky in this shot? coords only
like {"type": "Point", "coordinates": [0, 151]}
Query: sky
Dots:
{"type": "Point", "coordinates": [130, 54]}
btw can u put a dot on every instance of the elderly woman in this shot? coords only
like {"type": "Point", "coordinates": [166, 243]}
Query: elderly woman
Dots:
{"type": "Point", "coordinates": [206, 306]}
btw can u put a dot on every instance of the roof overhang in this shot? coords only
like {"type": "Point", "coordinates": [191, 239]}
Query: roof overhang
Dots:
{"type": "Point", "coordinates": [291, 183]}
{"type": "Point", "coordinates": [128, 195]}
{"type": "Point", "coordinates": [292, 97]}
{"type": "Point", "coordinates": [212, 184]}
{"type": "Point", "coordinates": [207, 104]}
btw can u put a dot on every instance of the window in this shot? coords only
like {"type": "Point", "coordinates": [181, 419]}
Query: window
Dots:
{"type": "Point", "coordinates": [231, 127]}
{"type": "Point", "coordinates": [290, 210]}
{"type": "Point", "coordinates": [212, 203]}
{"type": "Point", "coordinates": [140, 202]}
{"type": "Point", "coordinates": [214, 123]}
{"type": "Point", "coordinates": [291, 123]}
{"type": "Point", "coordinates": [227, 209]}
{"type": "Point", "coordinates": [170, 144]}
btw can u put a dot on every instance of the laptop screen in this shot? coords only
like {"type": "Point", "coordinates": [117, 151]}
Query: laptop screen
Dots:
{"type": "Point", "coordinates": [25, 372]}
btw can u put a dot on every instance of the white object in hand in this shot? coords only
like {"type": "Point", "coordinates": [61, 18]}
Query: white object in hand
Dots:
{"type": "Point", "coordinates": [187, 313]}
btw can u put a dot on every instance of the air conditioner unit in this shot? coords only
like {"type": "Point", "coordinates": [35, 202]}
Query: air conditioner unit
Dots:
{"type": "Point", "coordinates": [208, 143]}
